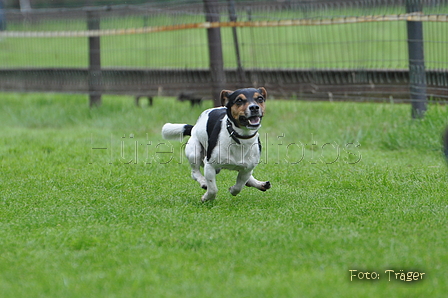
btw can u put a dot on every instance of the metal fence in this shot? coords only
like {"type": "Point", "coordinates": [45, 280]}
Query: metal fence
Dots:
{"type": "Point", "coordinates": [355, 50]}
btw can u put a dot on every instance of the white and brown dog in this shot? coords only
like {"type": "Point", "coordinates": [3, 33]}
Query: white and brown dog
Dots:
{"type": "Point", "coordinates": [225, 138]}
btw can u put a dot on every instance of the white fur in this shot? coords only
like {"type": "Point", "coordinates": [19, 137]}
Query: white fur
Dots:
{"type": "Point", "coordinates": [227, 154]}
{"type": "Point", "coordinates": [173, 131]}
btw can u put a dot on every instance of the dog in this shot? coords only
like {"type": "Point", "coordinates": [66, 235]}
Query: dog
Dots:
{"type": "Point", "coordinates": [225, 138]}
{"type": "Point", "coordinates": [193, 99]}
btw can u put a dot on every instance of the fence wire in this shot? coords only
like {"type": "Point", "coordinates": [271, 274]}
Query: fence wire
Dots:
{"type": "Point", "coordinates": [296, 47]}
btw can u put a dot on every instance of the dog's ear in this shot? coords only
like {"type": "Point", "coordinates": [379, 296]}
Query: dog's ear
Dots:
{"type": "Point", "coordinates": [225, 97]}
{"type": "Point", "coordinates": [263, 92]}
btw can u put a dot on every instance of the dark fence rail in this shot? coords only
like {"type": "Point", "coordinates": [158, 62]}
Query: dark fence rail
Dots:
{"type": "Point", "coordinates": [350, 85]}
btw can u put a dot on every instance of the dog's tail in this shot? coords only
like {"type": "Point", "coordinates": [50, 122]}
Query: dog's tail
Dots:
{"type": "Point", "coordinates": [176, 131]}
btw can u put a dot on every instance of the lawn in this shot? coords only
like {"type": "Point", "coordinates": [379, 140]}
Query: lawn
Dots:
{"type": "Point", "coordinates": [94, 203]}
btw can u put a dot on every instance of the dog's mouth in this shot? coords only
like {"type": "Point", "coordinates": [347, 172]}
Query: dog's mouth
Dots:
{"type": "Point", "coordinates": [252, 122]}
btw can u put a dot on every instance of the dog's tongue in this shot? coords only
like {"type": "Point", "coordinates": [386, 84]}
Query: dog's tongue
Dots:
{"type": "Point", "coordinates": [254, 120]}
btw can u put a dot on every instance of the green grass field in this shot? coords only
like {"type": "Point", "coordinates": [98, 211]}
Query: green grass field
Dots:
{"type": "Point", "coordinates": [355, 187]}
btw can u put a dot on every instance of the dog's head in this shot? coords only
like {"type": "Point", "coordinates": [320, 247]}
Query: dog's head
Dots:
{"type": "Point", "coordinates": [245, 106]}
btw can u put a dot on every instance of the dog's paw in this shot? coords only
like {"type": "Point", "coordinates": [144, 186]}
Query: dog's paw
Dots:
{"type": "Point", "coordinates": [266, 186]}
{"type": "Point", "coordinates": [206, 197]}
{"type": "Point", "coordinates": [234, 191]}
{"type": "Point", "coordinates": [263, 186]}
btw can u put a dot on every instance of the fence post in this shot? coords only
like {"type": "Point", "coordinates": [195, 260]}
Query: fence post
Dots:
{"type": "Point", "coordinates": [94, 76]}
{"type": "Point", "coordinates": [233, 18]}
{"type": "Point", "coordinates": [211, 9]}
{"type": "Point", "coordinates": [417, 75]}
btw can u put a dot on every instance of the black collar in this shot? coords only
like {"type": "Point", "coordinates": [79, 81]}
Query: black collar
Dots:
{"type": "Point", "coordinates": [235, 136]}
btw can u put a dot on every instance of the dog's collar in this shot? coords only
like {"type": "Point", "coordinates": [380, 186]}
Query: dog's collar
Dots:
{"type": "Point", "coordinates": [236, 136]}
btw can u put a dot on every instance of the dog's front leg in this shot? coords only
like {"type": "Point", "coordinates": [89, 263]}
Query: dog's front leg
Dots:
{"type": "Point", "coordinates": [210, 176]}
{"type": "Point", "coordinates": [241, 180]}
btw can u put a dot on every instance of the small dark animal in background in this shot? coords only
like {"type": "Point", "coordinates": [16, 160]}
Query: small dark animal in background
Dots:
{"type": "Point", "coordinates": [150, 100]}
{"type": "Point", "coordinates": [194, 99]}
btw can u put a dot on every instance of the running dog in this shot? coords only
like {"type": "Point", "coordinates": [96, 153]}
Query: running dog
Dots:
{"type": "Point", "coordinates": [225, 138]}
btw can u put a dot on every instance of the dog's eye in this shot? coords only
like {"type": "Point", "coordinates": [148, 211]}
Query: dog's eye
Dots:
{"type": "Point", "coordinates": [239, 101]}
{"type": "Point", "coordinates": [260, 99]}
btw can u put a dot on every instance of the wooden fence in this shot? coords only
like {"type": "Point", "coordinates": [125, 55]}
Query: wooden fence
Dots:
{"type": "Point", "coordinates": [413, 85]}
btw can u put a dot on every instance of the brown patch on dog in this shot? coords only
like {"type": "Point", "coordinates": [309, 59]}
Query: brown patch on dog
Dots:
{"type": "Point", "coordinates": [239, 110]}
{"type": "Point", "coordinates": [264, 95]}
{"type": "Point", "coordinates": [225, 97]}
{"type": "Point", "coordinates": [263, 92]}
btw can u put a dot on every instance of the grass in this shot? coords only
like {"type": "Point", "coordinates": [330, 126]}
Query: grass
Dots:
{"type": "Point", "coordinates": [83, 222]}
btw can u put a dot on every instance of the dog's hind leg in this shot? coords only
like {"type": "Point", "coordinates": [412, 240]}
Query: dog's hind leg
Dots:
{"type": "Point", "coordinates": [212, 189]}
{"type": "Point", "coordinates": [195, 156]}
{"type": "Point", "coordinates": [261, 185]}
{"type": "Point", "coordinates": [197, 175]}
{"type": "Point", "coordinates": [243, 177]}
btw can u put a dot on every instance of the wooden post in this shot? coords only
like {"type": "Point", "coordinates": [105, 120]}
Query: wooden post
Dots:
{"type": "Point", "coordinates": [211, 10]}
{"type": "Point", "coordinates": [95, 76]}
{"type": "Point", "coordinates": [233, 18]}
{"type": "Point", "coordinates": [417, 75]}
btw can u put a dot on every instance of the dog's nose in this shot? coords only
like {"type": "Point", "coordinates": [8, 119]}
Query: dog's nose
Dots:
{"type": "Point", "coordinates": [254, 108]}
